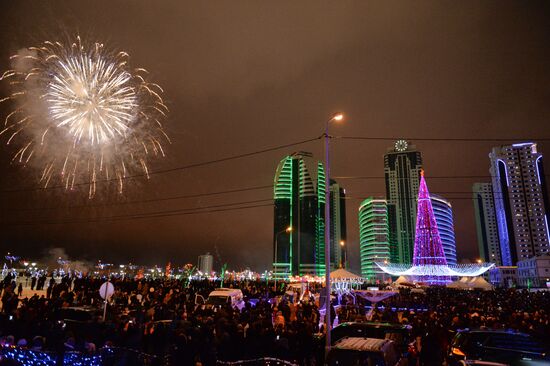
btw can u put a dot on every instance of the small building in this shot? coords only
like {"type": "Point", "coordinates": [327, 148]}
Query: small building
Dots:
{"type": "Point", "coordinates": [206, 262]}
{"type": "Point", "coordinates": [534, 272]}
{"type": "Point", "coordinates": [504, 276]}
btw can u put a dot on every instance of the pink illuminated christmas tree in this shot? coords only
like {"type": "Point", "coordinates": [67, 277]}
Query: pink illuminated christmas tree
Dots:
{"type": "Point", "coordinates": [428, 249]}
{"type": "Point", "coordinates": [429, 263]}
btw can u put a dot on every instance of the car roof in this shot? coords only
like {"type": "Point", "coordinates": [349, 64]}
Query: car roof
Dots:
{"type": "Point", "coordinates": [226, 289]}
{"type": "Point", "coordinates": [225, 292]}
{"type": "Point", "coordinates": [493, 331]}
{"type": "Point", "coordinates": [362, 344]}
{"type": "Point", "coordinates": [80, 308]}
{"type": "Point", "coordinates": [518, 343]}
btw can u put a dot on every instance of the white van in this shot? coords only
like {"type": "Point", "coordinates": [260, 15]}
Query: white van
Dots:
{"type": "Point", "coordinates": [221, 297]}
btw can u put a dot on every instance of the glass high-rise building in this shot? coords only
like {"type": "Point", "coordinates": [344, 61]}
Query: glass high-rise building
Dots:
{"type": "Point", "coordinates": [486, 223]}
{"type": "Point", "coordinates": [206, 262]}
{"type": "Point", "coordinates": [443, 212]}
{"type": "Point", "coordinates": [402, 167]}
{"type": "Point", "coordinates": [338, 225]}
{"type": "Point", "coordinates": [521, 201]}
{"type": "Point", "coordinates": [373, 237]}
{"type": "Point", "coordinates": [299, 204]}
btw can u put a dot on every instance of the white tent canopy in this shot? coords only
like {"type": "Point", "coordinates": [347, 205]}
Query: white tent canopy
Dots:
{"type": "Point", "coordinates": [401, 279]}
{"type": "Point", "coordinates": [471, 283]}
{"type": "Point", "coordinates": [481, 283]}
{"type": "Point", "coordinates": [344, 281]}
{"type": "Point", "coordinates": [341, 274]}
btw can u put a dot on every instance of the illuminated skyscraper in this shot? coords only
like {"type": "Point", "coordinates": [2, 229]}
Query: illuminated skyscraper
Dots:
{"type": "Point", "coordinates": [402, 166]}
{"type": "Point", "coordinates": [486, 223]}
{"type": "Point", "coordinates": [443, 212]}
{"type": "Point", "coordinates": [299, 201]}
{"type": "Point", "coordinates": [373, 237]}
{"type": "Point", "coordinates": [521, 201]}
{"type": "Point", "coordinates": [338, 225]}
{"type": "Point", "coordinates": [205, 264]}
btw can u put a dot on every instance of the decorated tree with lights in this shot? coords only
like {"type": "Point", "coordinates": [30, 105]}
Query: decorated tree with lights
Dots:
{"type": "Point", "coordinates": [428, 249]}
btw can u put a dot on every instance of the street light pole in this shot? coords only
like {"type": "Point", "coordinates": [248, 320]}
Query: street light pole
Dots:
{"type": "Point", "coordinates": [275, 262]}
{"type": "Point", "coordinates": [344, 254]}
{"type": "Point", "coordinates": [328, 323]}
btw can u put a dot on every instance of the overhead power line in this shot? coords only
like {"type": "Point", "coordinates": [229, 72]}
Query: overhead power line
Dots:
{"type": "Point", "coordinates": [429, 177]}
{"type": "Point", "coordinates": [442, 139]}
{"type": "Point", "coordinates": [150, 215]}
{"type": "Point", "coordinates": [178, 168]}
{"type": "Point", "coordinates": [274, 148]}
{"type": "Point", "coordinates": [151, 200]}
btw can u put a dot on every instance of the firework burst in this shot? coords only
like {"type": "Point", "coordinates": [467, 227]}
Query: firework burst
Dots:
{"type": "Point", "coordinates": [82, 114]}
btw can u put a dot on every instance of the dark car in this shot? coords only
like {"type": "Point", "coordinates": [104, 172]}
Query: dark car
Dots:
{"type": "Point", "coordinates": [508, 347]}
{"type": "Point", "coordinates": [82, 314]}
{"type": "Point", "coordinates": [80, 321]}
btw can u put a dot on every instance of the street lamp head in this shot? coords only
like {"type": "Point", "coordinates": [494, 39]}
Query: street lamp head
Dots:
{"type": "Point", "coordinates": [342, 243]}
{"type": "Point", "coordinates": [289, 229]}
{"type": "Point", "coordinates": [338, 117]}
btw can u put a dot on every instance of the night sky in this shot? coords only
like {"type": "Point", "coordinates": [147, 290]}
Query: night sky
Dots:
{"type": "Point", "coordinates": [244, 76]}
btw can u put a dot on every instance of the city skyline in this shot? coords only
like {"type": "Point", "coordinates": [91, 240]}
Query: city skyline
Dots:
{"type": "Point", "coordinates": [442, 213]}
{"type": "Point", "coordinates": [428, 73]}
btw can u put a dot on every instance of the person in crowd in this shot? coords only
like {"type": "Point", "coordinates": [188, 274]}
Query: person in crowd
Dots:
{"type": "Point", "coordinates": [159, 317]}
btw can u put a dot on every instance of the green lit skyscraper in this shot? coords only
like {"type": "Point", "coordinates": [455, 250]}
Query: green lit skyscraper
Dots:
{"type": "Point", "coordinates": [373, 237]}
{"type": "Point", "coordinates": [299, 203]}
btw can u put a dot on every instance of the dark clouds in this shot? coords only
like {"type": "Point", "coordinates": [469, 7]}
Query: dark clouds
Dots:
{"type": "Point", "coordinates": [242, 76]}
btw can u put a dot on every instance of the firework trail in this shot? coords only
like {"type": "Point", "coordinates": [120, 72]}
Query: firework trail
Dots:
{"type": "Point", "coordinates": [82, 114]}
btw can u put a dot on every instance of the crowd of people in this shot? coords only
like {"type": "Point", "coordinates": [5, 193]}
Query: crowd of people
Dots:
{"type": "Point", "coordinates": [160, 318]}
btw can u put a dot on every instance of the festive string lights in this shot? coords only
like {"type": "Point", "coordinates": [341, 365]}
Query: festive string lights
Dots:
{"type": "Point", "coordinates": [429, 262]}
